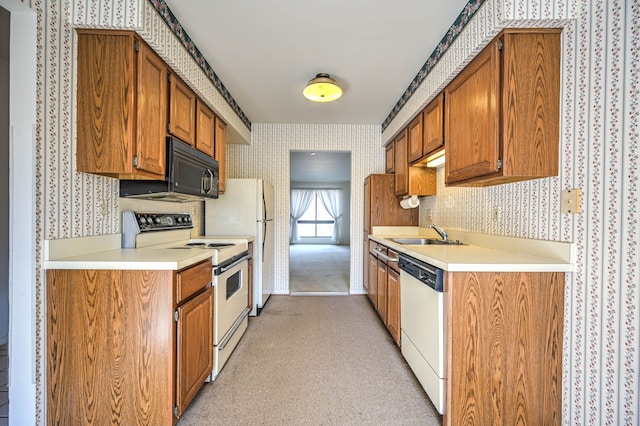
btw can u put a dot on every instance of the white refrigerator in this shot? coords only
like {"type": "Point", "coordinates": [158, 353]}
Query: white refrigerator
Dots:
{"type": "Point", "coordinates": [246, 208]}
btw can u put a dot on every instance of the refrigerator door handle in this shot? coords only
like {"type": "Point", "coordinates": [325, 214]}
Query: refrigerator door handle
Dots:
{"type": "Point", "coordinates": [264, 236]}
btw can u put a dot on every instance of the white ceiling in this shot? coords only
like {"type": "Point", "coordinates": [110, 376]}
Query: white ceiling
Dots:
{"type": "Point", "coordinates": [266, 51]}
{"type": "Point", "coordinates": [321, 166]}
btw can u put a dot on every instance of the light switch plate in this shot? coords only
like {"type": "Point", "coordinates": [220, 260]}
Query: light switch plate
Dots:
{"type": "Point", "coordinates": [571, 201]}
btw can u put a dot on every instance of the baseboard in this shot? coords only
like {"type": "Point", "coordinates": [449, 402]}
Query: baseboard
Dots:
{"type": "Point", "coordinates": [319, 293]}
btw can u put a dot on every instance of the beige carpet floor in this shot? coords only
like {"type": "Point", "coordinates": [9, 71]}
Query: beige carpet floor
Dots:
{"type": "Point", "coordinates": [314, 361]}
{"type": "Point", "coordinates": [319, 268]}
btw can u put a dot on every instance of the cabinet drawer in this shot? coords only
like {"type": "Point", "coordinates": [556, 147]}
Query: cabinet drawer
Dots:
{"type": "Point", "coordinates": [190, 281]}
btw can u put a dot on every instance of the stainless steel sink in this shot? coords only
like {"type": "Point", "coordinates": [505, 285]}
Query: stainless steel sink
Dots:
{"type": "Point", "coordinates": [425, 241]}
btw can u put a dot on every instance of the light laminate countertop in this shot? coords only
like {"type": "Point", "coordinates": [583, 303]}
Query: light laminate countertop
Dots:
{"type": "Point", "coordinates": [104, 252]}
{"type": "Point", "coordinates": [481, 252]}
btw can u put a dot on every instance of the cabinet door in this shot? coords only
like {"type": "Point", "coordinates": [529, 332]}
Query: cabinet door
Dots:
{"type": "Point", "coordinates": [373, 280]}
{"type": "Point", "coordinates": [471, 118]}
{"type": "Point", "coordinates": [194, 340]}
{"type": "Point", "coordinates": [401, 165]}
{"type": "Point", "coordinates": [504, 334]}
{"type": "Point", "coordinates": [182, 111]}
{"type": "Point", "coordinates": [432, 127]}
{"type": "Point", "coordinates": [367, 211]}
{"type": "Point", "coordinates": [530, 108]}
{"type": "Point", "coordinates": [221, 151]}
{"type": "Point", "coordinates": [389, 163]}
{"type": "Point", "coordinates": [365, 265]}
{"type": "Point", "coordinates": [393, 304]}
{"type": "Point", "coordinates": [415, 139]}
{"type": "Point", "coordinates": [382, 290]}
{"type": "Point", "coordinates": [205, 129]}
{"type": "Point", "coordinates": [151, 112]}
{"type": "Point", "coordinates": [108, 332]}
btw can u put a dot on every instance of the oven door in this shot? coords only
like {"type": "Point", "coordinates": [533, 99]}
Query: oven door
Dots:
{"type": "Point", "coordinates": [231, 296]}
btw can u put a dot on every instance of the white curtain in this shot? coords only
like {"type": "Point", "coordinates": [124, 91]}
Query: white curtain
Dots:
{"type": "Point", "coordinates": [332, 201]}
{"type": "Point", "coordinates": [300, 201]}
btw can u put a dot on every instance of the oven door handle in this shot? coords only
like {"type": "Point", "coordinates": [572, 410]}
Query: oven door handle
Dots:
{"type": "Point", "coordinates": [222, 269]}
{"type": "Point", "coordinates": [233, 329]}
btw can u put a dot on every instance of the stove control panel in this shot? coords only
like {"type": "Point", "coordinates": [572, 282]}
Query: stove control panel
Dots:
{"type": "Point", "coordinates": [134, 223]}
{"type": "Point", "coordinates": [162, 221]}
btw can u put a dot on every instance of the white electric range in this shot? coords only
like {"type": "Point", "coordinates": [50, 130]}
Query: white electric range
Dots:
{"type": "Point", "coordinates": [229, 261]}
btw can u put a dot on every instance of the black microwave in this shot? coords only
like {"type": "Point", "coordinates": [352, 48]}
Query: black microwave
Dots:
{"type": "Point", "coordinates": [190, 175]}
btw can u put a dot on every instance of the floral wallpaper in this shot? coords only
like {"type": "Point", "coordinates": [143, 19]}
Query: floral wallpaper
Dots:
{"type": "Point", "coordinates": [599, 155]}
{"type": "Point", "coordinates": [268, 158]}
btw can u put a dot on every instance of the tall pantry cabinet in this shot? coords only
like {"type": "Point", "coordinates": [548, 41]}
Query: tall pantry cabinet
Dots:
{"type": "Point", "coordinates": [381, 208]}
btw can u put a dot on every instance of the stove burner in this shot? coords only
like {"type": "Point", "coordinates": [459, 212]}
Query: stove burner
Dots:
{"type": "Point", "coordinates": [200, 244]}
{"type": "Point", "coordinates": [219, 245]}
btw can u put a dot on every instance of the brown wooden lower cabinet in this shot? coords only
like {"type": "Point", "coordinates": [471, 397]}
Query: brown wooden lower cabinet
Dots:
{"type": "Point", "coordinates": [381, 304]}
{"type": "Point", "coordinates": [393, 303]}
{"type": "Point", "coordinates": [504, 346]}
{"type": "Point", "coordinates": [115, 352]}
{"type": "Point", "coordinates": [383, 287]}
{"type": "Point", "coordinates": [373, 280]}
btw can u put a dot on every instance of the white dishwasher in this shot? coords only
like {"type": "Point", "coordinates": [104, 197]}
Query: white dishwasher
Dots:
{"type": "Point", "coordinates": [422, 325]}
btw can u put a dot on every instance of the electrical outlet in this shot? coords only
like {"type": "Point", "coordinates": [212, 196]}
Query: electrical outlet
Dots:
{"type": "Point", "coordinates": [104, 209]}
{"type": "Point", "coordinates": [571, 201]}
{"type": "Point", "coordinates": [497, 214]}
{"type": "Point", "coordinates": [429, 215]}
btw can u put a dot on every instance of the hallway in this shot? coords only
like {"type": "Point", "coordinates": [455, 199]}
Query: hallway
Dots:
{"type": "Point", "coordinates": [320, 269]}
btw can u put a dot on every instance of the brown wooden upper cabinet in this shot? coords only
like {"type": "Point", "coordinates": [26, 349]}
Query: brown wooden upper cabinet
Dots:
{"type": "Point", "coordinates": [389, 157]}
{"type": "Point", "coordinates": [426, 131]}
{"type": "Point", "coordinates": [502, 111]}
{"type": "Point", "coordinates": [433, 126]}
{"type": "Point", "coordinates": [221, 152]}
{"type": "Point", "coordinates": [415, 139]}
{"type": "Point", "coordinates": [205, 128]}
{"type": "Point", "coordinates": [401, 165]}
{"type": "Point", "coordinates": [182, 111]}
{"type": "Point", "coordinates": [411, 180]}
{"type": "Point", "coordinates": [122, 106]}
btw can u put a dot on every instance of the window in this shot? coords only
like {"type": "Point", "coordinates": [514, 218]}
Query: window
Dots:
{"type": "Point", "coordinates": [316, 222]}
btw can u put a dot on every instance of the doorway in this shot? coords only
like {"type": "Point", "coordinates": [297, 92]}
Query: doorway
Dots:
{"type": "Point", "coordinates": [23, 297]}
{"type": "Point", "coordinates": [5, 26]}
{"type": "Point", "coordinates": [319, 237]}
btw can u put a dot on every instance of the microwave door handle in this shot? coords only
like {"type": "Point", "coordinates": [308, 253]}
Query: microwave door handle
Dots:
{"type": "Point", "coordinates": [207, 181]}
{"type": "Point", "coordinates": [211, 179]}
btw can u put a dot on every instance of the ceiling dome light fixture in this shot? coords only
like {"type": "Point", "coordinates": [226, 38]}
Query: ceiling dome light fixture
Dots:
{"type": "Point", "coordinates": [322, 89]}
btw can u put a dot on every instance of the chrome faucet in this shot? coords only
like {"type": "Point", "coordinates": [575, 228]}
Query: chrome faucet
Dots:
{"type": "Point", "coordinates": [443, 234]}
